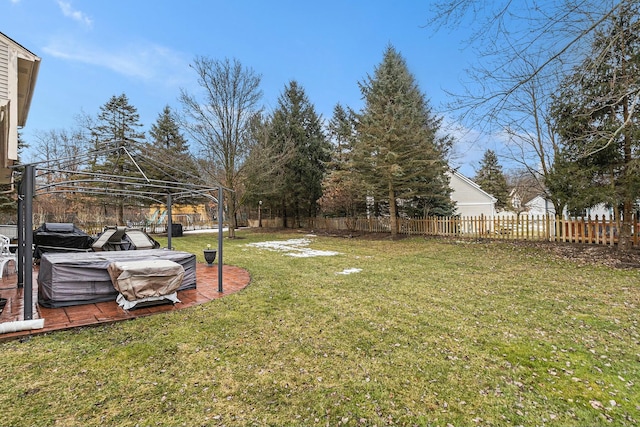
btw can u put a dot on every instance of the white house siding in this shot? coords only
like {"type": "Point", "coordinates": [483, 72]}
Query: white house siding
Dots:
{"type": "Point", "coordinates": [5, 135]}
{"type": "Point", "coordinates": [4, 72]}
{"type": "Point", "coordinates": [600, 210]}
{"type": "Point", "coordinates": [469, 198]}
{"type": "Point", "coordinates": [18, 73]}
{"type": "Point", "coordinates": [539, 206]}
{"type": "Point", "coordinates": [474, 209]}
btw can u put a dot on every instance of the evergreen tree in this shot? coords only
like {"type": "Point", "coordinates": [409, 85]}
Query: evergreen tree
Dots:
{"type": "Point", "coordinates": [343, 193]}
{"type": "Point", "coordinates": [342, 134]}
{"type": "Point", "coordinates": [165, 133]}
{"type": "Point", "coordinates": [265, 165]}
{"type": "Point", "coordinates": [568, 186]}
{"type": "Point", "coordinates": [116, 129]}
{"type": "Point", "coordinates": [117, 126]}
{"type": "Point", "coordinates": [169, 152]}
{"type": "Point", "coordinates": [492, 180]}
{"type": "Point", "coordinates": [598, 121]}
{"type": "Point", "coordinates": [295, 126]}
{"type": "Point", "coordinates": [397, 151]}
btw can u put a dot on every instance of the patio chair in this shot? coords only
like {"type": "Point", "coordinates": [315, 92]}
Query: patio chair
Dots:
{"type": "Point", "coordinates": [110, 240]}
{"type": "Point", "coordinates": [6, 255]}
{"type": "Point", "coordinates": [140, 240]}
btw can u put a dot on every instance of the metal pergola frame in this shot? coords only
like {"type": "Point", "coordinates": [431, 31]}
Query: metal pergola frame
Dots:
{"type": "Point", "coordinates": [93, 183]}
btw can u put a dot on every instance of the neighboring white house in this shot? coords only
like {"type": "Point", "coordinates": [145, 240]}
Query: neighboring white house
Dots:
{"type": "Point", "coordinates": [541, 206]}
{"type": "Point", "coordinates": [470, 199]}
{"type": "Point", "coordinates": [18, 74]}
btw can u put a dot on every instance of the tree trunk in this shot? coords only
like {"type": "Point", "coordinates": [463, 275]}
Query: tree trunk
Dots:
{"type": "Point", "coordinates": [393, 215]}
{"type": "Point", "coordinates": [559, 214]}
{"type": "Point", "coordinates": [624, 236]}
{"type": "Point", "coordinates": [296, 214]}
{"type": "Point", "coordinates": [120, 213]}
{"type": "Point", "coordinates": [284, 214]}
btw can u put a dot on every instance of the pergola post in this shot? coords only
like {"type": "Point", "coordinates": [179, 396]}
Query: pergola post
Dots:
{"type": "Point", "coordinates": [169, 221]}
{"type": "Point", "coordinates": [220, 238]}
{"type": "Point", "coordinates": [25, 238]}
{"type": "Point", "coordinates": [20, 250]}
{"type": "Point", "coordinates": [27, 192]}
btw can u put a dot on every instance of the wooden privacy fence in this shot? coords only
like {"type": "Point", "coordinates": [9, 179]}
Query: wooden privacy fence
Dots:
{"type": "Point", "coordinates": [508, 227]}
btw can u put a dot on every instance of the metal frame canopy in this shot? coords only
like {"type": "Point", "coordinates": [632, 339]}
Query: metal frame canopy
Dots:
{"type": "Point", "coordinates": [92, 183]}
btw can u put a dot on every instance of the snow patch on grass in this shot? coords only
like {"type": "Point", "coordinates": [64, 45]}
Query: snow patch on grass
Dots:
{"type": "Point", "coordinates": [350, 271]}
{"type": "Point", "coordinates": [298, 248]}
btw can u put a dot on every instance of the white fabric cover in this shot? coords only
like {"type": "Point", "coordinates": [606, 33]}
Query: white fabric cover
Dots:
{"type": "Point", "coordinates": [128, 305]}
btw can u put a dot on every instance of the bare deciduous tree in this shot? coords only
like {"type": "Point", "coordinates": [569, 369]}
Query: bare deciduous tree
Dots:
{"type": "Point", "coordinates": [598, 120]}
{"type": "Point", "coordinates": [522, 48]}
{"type": "Point", "coordinates": [264, 171]}
{"type": "Point", "coordinates": [523, 51]}
{"type": "Point", "coordinates": [219, 119]}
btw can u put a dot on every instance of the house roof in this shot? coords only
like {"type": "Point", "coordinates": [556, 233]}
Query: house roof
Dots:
{"type": "Point", "coordinates": [28, 67]}
{"type": "Point", "coordinates": [535, 199]}
{"type": "Point", "coordinates": [472, 184]}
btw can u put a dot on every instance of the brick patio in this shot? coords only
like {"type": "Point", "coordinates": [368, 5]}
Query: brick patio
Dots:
{"type": "Point", "coordinates": [234, 280]}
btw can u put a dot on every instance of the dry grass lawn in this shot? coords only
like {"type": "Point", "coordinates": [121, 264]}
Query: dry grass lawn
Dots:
{"type": "Point", "coordinates": [408, 332]}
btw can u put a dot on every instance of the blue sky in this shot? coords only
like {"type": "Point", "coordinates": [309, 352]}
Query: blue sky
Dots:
{"type": "Point", "coordinates": [92, 50]}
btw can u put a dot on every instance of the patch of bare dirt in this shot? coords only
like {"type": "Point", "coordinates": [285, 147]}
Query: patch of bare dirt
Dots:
{"type": "Point", "coordinates": [590, 254]}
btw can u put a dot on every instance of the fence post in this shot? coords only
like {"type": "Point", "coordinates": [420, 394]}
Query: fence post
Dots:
{"type": "Point", "coordinates": [613, 222]}
{"type": "Point", "coordinates": [547, 223]}
{"type": "Point", "coordinates": [563, 230]}
{"type": "Point", "coordinates": [472, 227]}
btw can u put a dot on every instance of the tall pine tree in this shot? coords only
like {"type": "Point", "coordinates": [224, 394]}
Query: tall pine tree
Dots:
{"type": "Point", "coordinates": [397, 151]}
{"type": "Point", "coordinates": [295, 126]}
{"type": "Point", "coordinates": [117, 128]}
{"type": "Point", "coordinates": [169, 151]}
{"type": "Point", "coordinates": [491, 179]}
{"type": "Point", "coordinates": [167, 154]}
{"type": "Point", "coordinates": [343, 193]}
{"type": "Point", "coordinates": [598, 121]}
